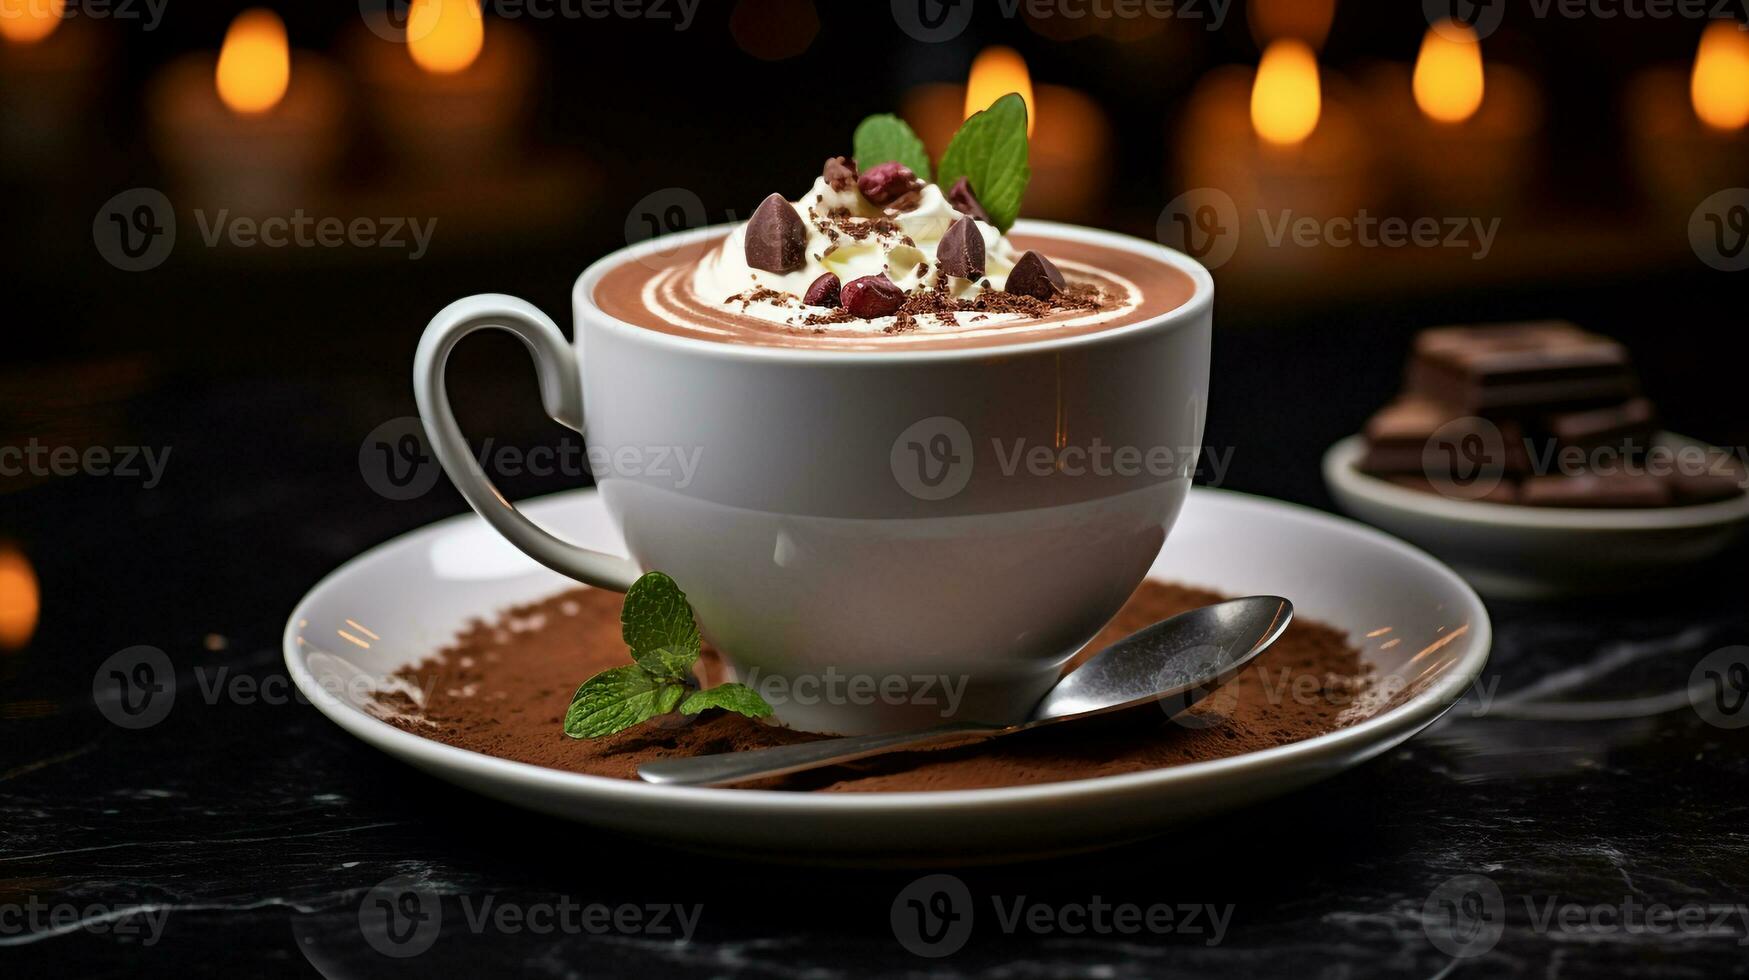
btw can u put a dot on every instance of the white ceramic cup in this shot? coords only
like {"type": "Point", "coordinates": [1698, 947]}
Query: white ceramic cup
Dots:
{"type": "Point", "coordinates": [874, 539]}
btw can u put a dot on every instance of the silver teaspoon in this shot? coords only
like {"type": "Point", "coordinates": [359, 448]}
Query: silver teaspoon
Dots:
{"type": "Point", "coordinates": [1167, 667]}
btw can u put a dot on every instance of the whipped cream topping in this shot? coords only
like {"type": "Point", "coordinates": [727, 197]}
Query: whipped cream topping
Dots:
{"type": "Point", "coordinates": [850, 237]}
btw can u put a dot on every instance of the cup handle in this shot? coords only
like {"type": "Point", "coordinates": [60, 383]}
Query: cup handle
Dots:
{"type": "Point", "coordinates": [561, 391]}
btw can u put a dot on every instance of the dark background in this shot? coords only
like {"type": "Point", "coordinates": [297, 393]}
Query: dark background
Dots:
{"type": "Point", "coordinates": [262, 371]}
{"type": "Point", "coordinates": [627, 108]}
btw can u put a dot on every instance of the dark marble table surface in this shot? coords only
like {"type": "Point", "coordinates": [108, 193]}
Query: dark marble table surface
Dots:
{"type": "Point", "coordinates": [245, 835]}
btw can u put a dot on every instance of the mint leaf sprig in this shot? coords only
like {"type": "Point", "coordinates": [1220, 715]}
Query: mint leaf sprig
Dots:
{"type": "Point", "coordinates": [989, 150]}
{"type": "Point", "coordinates": [656, 622]}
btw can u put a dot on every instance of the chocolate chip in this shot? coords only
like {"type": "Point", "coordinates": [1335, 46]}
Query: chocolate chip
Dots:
{"type": "Point", "coordinates": [823, 292]}
{"type": "Point", "coordinates": [965, 202]}
{"type": "Point", "coordinates": [871, 296]}
{"type": "Point", "coordinates": [1035, 276]}
{"type": "Point", "coordinates": [840, 173]}
{"type": "Point", "coordinates": [884, 183]}
{"type": "Point", "coordinates": [961, 251]}
{"type": "Point", "coordinates": [776, 238]}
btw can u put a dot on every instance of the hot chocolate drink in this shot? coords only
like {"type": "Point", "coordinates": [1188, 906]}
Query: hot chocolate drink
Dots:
{"type": "Point", "coordinates": [849, 268]}
{"type": "Point", "coordinates": [938, 499]}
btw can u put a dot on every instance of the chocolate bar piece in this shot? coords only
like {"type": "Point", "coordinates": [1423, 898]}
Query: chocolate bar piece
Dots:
{"type": "Point", "coordinates": [1596, 490]}
{"type": "Point", "coordinates": [1704, 488]}
{"type": "Point", "coordinates": [1504, 492]}
{"type": "Point", "coordinates": [1397, 434]}
{"type": "Point", "coordinates": [1399, 439]}
{"type": "Point", "coordinates": [1513, 369]}
{"type": "Point", "coordinates": [1631, 422]}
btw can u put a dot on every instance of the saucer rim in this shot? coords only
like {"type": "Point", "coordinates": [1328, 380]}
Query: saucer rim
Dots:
{"type": "Point", "coordinates": [1362, 740]}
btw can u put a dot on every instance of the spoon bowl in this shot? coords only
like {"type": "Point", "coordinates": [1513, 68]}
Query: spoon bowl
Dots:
{"type": "Point", "coordinates": [1172, 664]}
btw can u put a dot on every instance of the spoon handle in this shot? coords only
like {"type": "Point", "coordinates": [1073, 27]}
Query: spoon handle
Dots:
{"type": "Point", "coordinates": [737, 767]}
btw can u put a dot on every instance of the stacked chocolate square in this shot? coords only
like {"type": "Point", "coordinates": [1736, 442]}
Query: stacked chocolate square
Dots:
{"type": "Point", "coordinates": [1541, 414]}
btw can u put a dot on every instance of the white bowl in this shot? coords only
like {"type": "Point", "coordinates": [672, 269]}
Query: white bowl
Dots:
{"type": "Point", "coordinates": [1424, 632]}
{"type": "Point", "coordinates": [1508, 551]}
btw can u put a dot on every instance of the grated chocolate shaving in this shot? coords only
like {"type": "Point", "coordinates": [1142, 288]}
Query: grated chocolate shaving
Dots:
{"type": "Point", "coordinates": [761, 294]}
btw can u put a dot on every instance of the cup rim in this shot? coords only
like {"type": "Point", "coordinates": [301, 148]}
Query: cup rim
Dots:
{"type": "Point", "coordinates": [1201, 301]}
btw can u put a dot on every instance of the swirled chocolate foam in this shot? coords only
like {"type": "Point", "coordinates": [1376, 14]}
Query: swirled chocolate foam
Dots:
{"type": "Point", "coordinates": [1104, 288]}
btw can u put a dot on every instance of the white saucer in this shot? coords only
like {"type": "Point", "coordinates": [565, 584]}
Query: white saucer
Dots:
{"type": "Point", "coordinates": [1418, 623]}
{"type": "Point", "coordinates": [1511, 552]}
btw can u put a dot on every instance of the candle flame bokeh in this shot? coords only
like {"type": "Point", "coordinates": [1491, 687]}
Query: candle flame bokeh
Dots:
{"type": "Point", "coordinates": [20, 598]}
{"type": "Point", "coordinates": [1448, 78]}
{"type": "Point", "coordinates": [997, 71]}
{"type": "Point", "coordinates": [1285, 97]}
{"type": "Point", "coordinates": [254, 63]}
{"type": "Point", "coordinates": [29, 21]}
{"type": "Point", "coordinates": [445, 36]}
{"type": "Point", "coordinates": [1719, 86]}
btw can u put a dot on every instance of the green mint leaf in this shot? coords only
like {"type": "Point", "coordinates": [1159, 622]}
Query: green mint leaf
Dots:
{"type": "Point", "coordinates": [618, 698]}
{"type": "Point", "coordinates": [885, 137]}
{"type": "Point", "coordinates": [668, 662]}
{"type": "Point", "coordinates": [656, 615]}
{"type": "Point", "coordinates": [738, 698]}
{"type": "Point", "coordinates": [989, 150]}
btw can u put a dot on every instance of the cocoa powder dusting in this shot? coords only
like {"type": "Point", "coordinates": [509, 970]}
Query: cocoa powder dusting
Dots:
{"type": "Point", "coordinates": [502, 688]}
